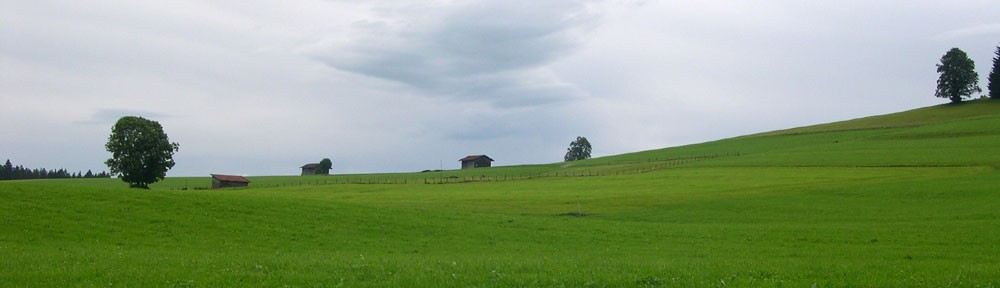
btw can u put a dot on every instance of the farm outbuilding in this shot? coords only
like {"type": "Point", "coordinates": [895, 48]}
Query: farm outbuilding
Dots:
{"type": "Point", "coordinates": [476, 161]}
{"type": "Point", "coordinates": [313, 169]}
{"type": "Point", "coordinates": [228, 181]}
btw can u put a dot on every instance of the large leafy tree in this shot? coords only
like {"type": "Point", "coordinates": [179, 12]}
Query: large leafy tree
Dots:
{"type": "Point", "coordinates": [994, 85]}
{"type": "Point", "coordinates": [141, 153]}
{"type": "Point", "coordinates": [579, 149]}
{"type": "Point", "coordinates": [324, 166]}
{"type": "Point", "coordinates": [958, 77]}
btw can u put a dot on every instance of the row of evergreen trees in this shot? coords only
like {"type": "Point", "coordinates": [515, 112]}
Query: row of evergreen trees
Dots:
{"type": "Point", "coordinates": [10, 172]}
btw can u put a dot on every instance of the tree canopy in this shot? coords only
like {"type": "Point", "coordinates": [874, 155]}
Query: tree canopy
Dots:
{"type": "Point", "coordinates": [324, 166]}
{"type": "Point", "coordinates": [579, 149]}
{"type": "Point", "coordinates": [958, 77]}
{"type": "Point", "coordinates": [994, 85]}
{"type": "Point", "coordinates": [141, 153]}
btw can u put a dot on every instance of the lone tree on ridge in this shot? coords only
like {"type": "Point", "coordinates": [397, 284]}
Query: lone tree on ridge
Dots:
{"type": "Point", "coordinates": [958, 77]}
{"type": "Point", "coordinates": [324, 166]}
{"type": "Point", "coordinates": [141, 153]}
{"type": "Point", "coordinates": [994, 85]}
{"type": "Point", "coordinates": [579, 149]}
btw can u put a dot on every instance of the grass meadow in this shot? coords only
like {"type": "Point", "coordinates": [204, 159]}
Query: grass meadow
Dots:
{"type": "Point", "coordinates": [902, 200]}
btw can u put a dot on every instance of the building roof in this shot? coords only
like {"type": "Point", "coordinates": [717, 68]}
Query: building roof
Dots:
{"type": "Point", "coordinates": [310, 166]}
{"type": "Point", "coordinates": [475, 157]}
{"type": "Point", "coordinates": [230, 178]}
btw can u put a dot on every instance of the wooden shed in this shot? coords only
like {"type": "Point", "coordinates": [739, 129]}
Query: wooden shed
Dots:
{"type": "Point", "coordinates": [476, 161]}
{"type": "Point", "coordinates": [310, 169]}
{"type": "Point", "coordinates": [228, 181]}
{"type": "Point", "coordinates": [314, 169]}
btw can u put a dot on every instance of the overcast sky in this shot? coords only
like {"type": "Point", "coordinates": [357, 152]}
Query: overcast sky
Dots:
{"type": "Point", "coordinates": [263, 87]}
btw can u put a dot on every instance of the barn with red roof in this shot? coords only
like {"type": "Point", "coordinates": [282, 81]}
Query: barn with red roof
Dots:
{"type": "Point", "coordinates": [228, 181]}
{"type": "Point", "coordinates": [476, 161]}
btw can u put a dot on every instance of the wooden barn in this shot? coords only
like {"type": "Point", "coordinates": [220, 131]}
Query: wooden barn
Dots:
{"type": "Point", "coordinates": [228, 181]}
{"type": "Point", "coordinates": [310, 169]}
{"type": "Point", "coordinates": [313, 169]}
{"type": "Point", "coordinates": [476, 161]}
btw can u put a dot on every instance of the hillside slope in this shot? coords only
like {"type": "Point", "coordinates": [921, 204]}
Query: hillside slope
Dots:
{"type": "Point", "coordinates": [916, 117]}
{"type": "Point", "coordinates": [888, 201]}
{"type": "Point", "coordinates": [943, 135]}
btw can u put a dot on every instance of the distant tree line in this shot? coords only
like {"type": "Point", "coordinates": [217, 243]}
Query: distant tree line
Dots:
{"type": "Point", "coordinates": [10, 172]}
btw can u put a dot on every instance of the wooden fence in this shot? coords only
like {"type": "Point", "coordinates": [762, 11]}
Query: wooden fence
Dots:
{"type": "Point", "coordinates": [609, 168]}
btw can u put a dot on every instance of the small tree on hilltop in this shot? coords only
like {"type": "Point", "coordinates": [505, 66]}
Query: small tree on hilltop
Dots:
{"type": "Point", "coordinates": [958, 77]}
{"type": "Point", "coordinates": [994, 85]}
{"type": "Point", "coordinates": [579, 149]}
{"type": "Point", "coordinates": [141, 153]}
{"type": "Point", "coordinates": [324, 166]}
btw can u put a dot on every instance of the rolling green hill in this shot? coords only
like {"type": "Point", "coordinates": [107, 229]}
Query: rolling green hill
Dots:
{"type": "Point", "coordinates": [903, 200]}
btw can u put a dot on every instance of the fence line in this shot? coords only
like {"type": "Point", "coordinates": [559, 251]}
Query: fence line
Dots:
{"type": "Point", "coordinates": [657, 164]}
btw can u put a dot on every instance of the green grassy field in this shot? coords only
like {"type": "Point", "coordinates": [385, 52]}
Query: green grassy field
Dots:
{"type": "Point", "coordinates": [902, 200]}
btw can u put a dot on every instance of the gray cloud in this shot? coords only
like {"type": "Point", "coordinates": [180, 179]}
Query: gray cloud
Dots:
{"type": "Point", "coordinates": [492, 51]}
{"type": "Point", "coordinates": [108, 117]}
{"type": "Point", "coordinates": [260, 89]}
{"type": "Point", "coordinates": [992, 29]}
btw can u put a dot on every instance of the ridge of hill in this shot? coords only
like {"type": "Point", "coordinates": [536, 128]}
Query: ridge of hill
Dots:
{"type": "Point", "coordinates": [909, 138]}
{"type": "Point", "coordinates": [910, 118]}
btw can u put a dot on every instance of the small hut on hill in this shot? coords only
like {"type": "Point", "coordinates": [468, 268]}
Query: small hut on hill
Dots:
{"type": "Point", "coordinates": [321, 168]}
{"type": "Point", "coordinates": [310, 169]}
{"type": "Point", "coordinates": [314, 169]}
{"type": "Point", "coordinates": [476, 161]}
{"type": "Point", "coordinates": [228, 181]}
